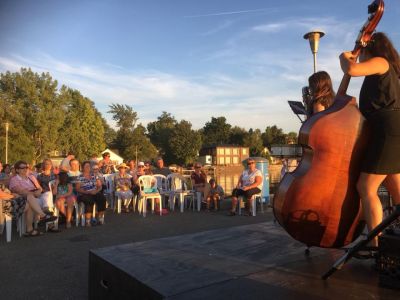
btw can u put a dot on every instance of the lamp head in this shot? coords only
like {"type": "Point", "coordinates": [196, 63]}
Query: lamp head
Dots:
{"type": "Point", "coordinates": [313, 37]}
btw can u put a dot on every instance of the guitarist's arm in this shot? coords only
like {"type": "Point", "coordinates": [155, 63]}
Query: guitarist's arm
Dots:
{"type": "Point", "coordinates": [366, 66]}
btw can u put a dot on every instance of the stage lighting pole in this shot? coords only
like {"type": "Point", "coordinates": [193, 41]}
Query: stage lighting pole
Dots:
{"type": "Point", "coordinates": [313, 37]}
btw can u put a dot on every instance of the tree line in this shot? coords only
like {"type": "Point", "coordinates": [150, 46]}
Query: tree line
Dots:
{"type": "Point", "coordinates": [44, 118]}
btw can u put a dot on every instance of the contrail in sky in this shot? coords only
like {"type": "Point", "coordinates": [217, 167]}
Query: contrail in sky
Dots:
{"type": "Point", "coordinates": [228, 13]}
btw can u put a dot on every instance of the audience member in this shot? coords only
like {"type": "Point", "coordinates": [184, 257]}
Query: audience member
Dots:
{"type": "Point", "coordinates": [161, 169]}
{"type": "Point", "coordinates": [89, 193]}
{"type": "Point", "coordinates": [215, 194]}
{"type": "Point", "coordinates": [106, 164]}
{"type": "Point", "coordinates": [148, 168]}
{"type": "Point", "coordinates": [4, 176]}
{"type": "Point", "coordinates": [123, 185]}
{"type": "Point", "coordinates": [65, 163]}
{"type": "Point", "coordinates": [64, 194]}
{"type": "Point", "coordinates": [44, 178]}
{"type": "Point", "coordinates": [94, 160]}
{"type": "Point", "coordinates": [249, 184]}
{"type": "Point", "coordinates": [132, 169]}
{"type": "Point", "coordinates": [199, 180]}
{"type": "Point", "coordinates": [26, 185]}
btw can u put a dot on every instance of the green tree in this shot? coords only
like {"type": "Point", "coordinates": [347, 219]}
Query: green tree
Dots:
{"type": "Point", "coordinates": [254, 141]}
{"type": "Point", "coordinates": [160, 132]}
{"type": "Point", "coordinates": [291, 138]}
{"type": "Point", "coordinates": [37, 113]}
{"type": "Point", "coordinates": [82, 131]}
{"type": "Point", "coordinates": [131, 140]}
{"type": "Point", "coordinates": [140, 145]}
{"type": "Point", "coordinates": [184, 143]}
{"type": "Point", "coordinates": [110, 134]}
{"type": "Point", "coordinates": [237, 136]}
{"type": "Point", "coordinates": [124, 115]}
{"type": "Point", "coordinates": [273, 135]}
{"type": "Point", "coordinates": [216, 132]}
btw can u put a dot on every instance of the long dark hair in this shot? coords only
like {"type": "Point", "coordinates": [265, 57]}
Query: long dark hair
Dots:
{"type": "Point", "coordinates": [380, 45]}
{"type": "Point", "coordinates": [63, 178]}
{"type": "Point", "coordinates": [320, 84]}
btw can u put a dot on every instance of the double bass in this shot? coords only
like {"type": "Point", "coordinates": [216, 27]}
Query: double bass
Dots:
{"type": "Point", "coordinates": [318, 203]}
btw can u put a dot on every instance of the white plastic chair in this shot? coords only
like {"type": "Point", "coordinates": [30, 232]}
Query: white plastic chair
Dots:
{"type": "Point", "coordinates": [255, 198]}
{"type": "Point", "coordinates": [162, 186]}
{"type": "Point", "coordinates": [77, 215]}
{"type": "Point", "coordinates": [109, 180]}
{"type": "Point", "coordinates": [8, 223]}
{"type": "Point", "coordinates": [147, 182]}
{"type": "Point", "coordinates": [119, 200]}
{"type": "Point", "coordinates": [178, 188]}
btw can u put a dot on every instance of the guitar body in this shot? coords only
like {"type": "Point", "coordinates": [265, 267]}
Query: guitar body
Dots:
{"type": "Point", "coordinates": [318, 203]}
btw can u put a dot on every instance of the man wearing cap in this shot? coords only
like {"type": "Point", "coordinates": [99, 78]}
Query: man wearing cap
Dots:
{"type": "Point", "coordinates": [123, 185]}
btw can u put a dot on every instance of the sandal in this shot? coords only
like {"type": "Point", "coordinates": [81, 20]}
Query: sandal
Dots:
{"type": "Point", "coordinates": [232, 213]}
{"type": "Point", "coordinates": [47, 218]}
{"type": "Point", "coordinates": [33, 233]}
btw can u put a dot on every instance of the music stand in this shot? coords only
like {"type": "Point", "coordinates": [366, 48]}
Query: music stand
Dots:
{"type": "Point", "coordinates": [362, 243]}
{"type": "Point", "coordinates": [298, 109]}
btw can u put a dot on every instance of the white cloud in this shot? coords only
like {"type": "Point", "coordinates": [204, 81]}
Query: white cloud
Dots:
{"type": "Point", "coordinates": [250, 102]}
{"type": "Point", "coordinates": [272, 27]}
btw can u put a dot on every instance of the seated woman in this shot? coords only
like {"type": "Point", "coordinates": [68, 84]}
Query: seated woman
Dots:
{"type": "Point", "coordinates": [139, 172]}
{"type": "Point", "coordinates": [215, 194]}
{"type": "Point", "coordinates": [4, 176]}
{"type": "Point", "coordinates": [320, 94]}
{"type": "Point", "coordinates": [44, 177]}
{"type": "Point", "coordinates": [89, 193]}
{"type": "Point", "coordinates": [123, 185]}
{"type": "Point", "coordinates": [29, 188]}
{"type": "Point", "coordinates": [250, 183]}
{"type": "Point", "coordinates": [199, 181]}
{"type": "Point", "coordinates": [64, 194]}
{"type": "Point", "coordinates": [98, 174]}
{"type": "Point", "coordinates": [12, 205]}
{"type": "Point", "coordinates": [106, 164]}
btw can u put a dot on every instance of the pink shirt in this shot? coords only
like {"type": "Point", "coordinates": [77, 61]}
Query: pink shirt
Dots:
{"type": "Point", "coordinates": [30, 183]}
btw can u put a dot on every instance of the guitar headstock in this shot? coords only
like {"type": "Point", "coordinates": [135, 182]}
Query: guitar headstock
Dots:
{"type": "Point", "coordinates": [375, 11]}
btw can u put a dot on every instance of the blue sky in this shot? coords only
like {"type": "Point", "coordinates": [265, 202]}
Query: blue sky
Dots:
{"type": "Point", "coordinates": [195, 59]}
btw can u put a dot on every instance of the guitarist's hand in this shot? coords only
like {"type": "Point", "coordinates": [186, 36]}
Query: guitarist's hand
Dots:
{"type": "Point", "coordinates": [349, 56]}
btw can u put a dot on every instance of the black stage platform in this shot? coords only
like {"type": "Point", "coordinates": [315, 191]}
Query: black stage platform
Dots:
{"type": "Point", "coordinates": [246, 262]}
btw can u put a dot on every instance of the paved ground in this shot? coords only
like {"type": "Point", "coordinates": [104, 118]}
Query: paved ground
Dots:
{"type": "Point", "coordinates": [55, 266]}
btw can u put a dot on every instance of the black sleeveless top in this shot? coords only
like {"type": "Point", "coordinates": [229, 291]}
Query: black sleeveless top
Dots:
{"type": "Point", "coordinates": [380, 92]}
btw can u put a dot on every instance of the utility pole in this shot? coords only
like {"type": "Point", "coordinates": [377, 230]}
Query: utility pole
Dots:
{"type": "Point", "coordinates": [7, 125]}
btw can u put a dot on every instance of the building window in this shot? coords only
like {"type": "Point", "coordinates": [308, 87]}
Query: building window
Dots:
{"type": "Point", "coordinates": [235, 151]}
{"type": "Point", "coordinates": [221, 160]}
{"type": "Point", "coordinates": [220, 151]}
{"type": "Point", "coordinates": [235, 160]}
{"type": "Point", "coordinates": [228, 160]}
{"type": "Point", "coordinates": [227, 151]}
{"type": "Point", "coordinates": [244, 151]}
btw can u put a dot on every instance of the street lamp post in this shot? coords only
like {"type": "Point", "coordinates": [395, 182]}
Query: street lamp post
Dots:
{"type": "Point", "coordinates": [7, 125]}
{"type": "Point", "coordinates": [313, 37]}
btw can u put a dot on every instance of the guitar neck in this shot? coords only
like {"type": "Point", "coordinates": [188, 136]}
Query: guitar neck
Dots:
{"type": "Point", "coordinates": [344, 85]}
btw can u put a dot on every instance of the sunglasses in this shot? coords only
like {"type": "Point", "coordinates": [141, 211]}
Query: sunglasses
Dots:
{"type": "Point", "coordinates": [197, 167]}
{"type": "Point", "coordinates": [250, 163]}
{"type": "Point", "coordinates": [22, 167]}
{"type": "Point", "coordinates": [140, 166]}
